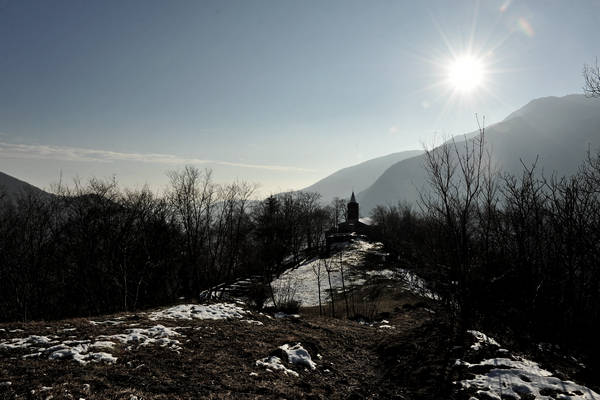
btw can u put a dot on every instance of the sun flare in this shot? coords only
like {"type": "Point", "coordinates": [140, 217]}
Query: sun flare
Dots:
{"type": "Point", "coordinates": [466, 73]}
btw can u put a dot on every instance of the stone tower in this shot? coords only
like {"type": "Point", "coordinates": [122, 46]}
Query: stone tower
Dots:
{"type": "Point", "coordinates": [352, 210]}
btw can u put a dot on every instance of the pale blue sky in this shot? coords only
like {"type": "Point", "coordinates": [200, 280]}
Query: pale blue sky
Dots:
{"type": "Point", "coordinates": [281, 93]}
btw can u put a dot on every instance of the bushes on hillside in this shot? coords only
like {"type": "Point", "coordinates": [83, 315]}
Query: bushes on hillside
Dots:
{"type": "Point", "coordinates": [510, 252]}
{"type": "Point", "coordinates": [94, 248]}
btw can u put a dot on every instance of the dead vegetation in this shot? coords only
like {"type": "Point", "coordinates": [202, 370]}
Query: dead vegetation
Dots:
{"type": "Point", "coordinates": [218, 359]}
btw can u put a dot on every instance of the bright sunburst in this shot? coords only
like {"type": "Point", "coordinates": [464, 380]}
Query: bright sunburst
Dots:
{"type": "Point", "coordinates": [466, 73]}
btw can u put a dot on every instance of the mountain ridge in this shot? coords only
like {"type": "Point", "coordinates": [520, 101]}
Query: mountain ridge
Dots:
{"type": "Point", "coordinates": [13, 188]}
{"type": "Point", "coordinates": [356, 177]}
{"type": "Point", "coordinates": [557, 129]}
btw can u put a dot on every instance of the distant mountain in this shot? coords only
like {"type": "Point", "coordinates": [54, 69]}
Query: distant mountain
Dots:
{"type": "Point", "coordinates": [12, 188]}
{"type": "Point", "coordinates": [357, 177]}
{"type": "Point", "coordinates": [558, 129]}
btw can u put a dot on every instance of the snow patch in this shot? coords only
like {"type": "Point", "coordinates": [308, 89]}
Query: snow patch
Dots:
{"type": "Point", "coordinates": [157, 335]}
{"type": "Point", "coordinates": [415, 284]}
{"type": "Point", "coordinates": [481, 340]}
{"type": "Point", "coordinates": [21, 343]}
{"type": "Point", "coordinates": [198, 311]}
{"type": "Point", "coordinates": [253, 322]}
{"type": "Point", "coordinates": [79, 353]}
{"type": "Point", "coordinates": [102, 344]}
{"type": "Point", "coordinates": [384, 273]}
{"type": "Point", "coordinates": [107, 322]}
{"type": "Point", "coordinates": [383, 324]}
{"type": "Point", "coordinates": [517, 377]}
{"type": "Point", "coordinates": [82, 350]}
{"type": "Point", "coordinates": [302, 282]}
{"type": "Point", "coordinates": [274, 363]}
{"type": "Point", "coordinates": [298, 355]}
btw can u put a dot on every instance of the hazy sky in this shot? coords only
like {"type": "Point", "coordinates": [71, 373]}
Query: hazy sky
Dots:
{"type": "Point", "coordinates": [281, 93]}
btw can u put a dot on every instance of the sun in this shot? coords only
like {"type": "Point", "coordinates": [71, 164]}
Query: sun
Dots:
{"type": "Point", "coordinates": [465, 73]}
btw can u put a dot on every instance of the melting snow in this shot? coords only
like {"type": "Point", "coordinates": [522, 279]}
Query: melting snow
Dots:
{"type": "Point", "coordinates": [517, 377]}
{"type": "Point", "coordinates": [198, 311]}
{"type": "Point", "coordinates": [107, 322]}
{"type": "Point", "coordinates": [295, 355]}
{"type": "Point", "coordinates": [252, 322]}
{"type": "Point", "coordinates": [159, 335]}
{"type": "Point", "coordinates": [273, 363]}
{"type": "Point", "coordinates": [383, 324]}
{"type": "Point", "coordinates": [30, 341]}
{"type": "Point", "coordinates": [298, 355]}
{"type": "Point", "coordinates": [303, 279]}
{"type": "Point", "coordinates": [415, 284]}
{"type": "Point", "coordinates": [103, 344]}
{"type": "Point", "coordinates": [85, 351]}
{"type": "Point", "coordinates": [78, 352]}
{"type": "Point", "coordinates": [81, 350]}
{"type": "Point", "coordinates": [482, 339]}
{"type": "Point", "coordinates": [303, 282]}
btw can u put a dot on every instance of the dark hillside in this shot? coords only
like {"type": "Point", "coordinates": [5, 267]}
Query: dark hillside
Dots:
{"type": "Point", "coordinates": [13, 188]}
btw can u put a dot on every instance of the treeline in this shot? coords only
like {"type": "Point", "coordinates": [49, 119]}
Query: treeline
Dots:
{"type": "Point", "coordinates": [512, 253]}
{"type": "Point", "coordinates": [94, 248]}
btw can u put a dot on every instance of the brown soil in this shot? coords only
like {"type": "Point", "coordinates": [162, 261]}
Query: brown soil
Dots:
{"type": "Point", "coordinates": [217, 359]}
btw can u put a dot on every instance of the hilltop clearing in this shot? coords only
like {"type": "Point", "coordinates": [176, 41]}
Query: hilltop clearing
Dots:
{"type": "Point", "coordinates": [212, 351]}
{"type": "Point", "coordinates": [404, 347]}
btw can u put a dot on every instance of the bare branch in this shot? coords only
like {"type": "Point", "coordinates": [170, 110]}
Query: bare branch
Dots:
{"type": "Point", "coordinates": [591, 76]}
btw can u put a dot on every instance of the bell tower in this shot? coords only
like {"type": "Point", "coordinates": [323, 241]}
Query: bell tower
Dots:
{"type": "Point", "coordinates": [352, 210]}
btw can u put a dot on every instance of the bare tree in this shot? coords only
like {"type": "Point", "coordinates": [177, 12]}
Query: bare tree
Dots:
{"type": "Point", "coordinates": [338, 211]}
{"type": "Point", "coordinates": [456, 177]}
{"type": "Point", "coordinates": [316, 269]}
{"type": "Point", "coordinates": [591, 76]}
{"type": "Point", "coordinates": [344, 292]}
{"type": "Point", "coordinates": [192, 197]}
{"type": "Point", "coordinates": [329, 269]}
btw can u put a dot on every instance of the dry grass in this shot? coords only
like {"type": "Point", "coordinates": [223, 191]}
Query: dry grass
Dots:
{"type": "Point", "coordinates": [218, 358]}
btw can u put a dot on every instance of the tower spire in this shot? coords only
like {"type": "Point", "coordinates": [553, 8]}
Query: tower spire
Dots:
{"type": "Point", "coordinates": [352, 210]}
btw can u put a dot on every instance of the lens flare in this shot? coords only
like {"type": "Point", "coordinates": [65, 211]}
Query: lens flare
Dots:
{"type": "Point", "coordinates": [526, 27]}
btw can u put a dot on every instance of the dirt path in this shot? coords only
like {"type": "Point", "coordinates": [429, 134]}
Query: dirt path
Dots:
{"type": "Point", "coordinates": [217, 359]}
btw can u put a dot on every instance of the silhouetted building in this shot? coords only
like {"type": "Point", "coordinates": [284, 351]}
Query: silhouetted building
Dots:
{"type": "Point", "coordinates": [345, 230]}
{"type": "Point", "coordinates": [352, 210]}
